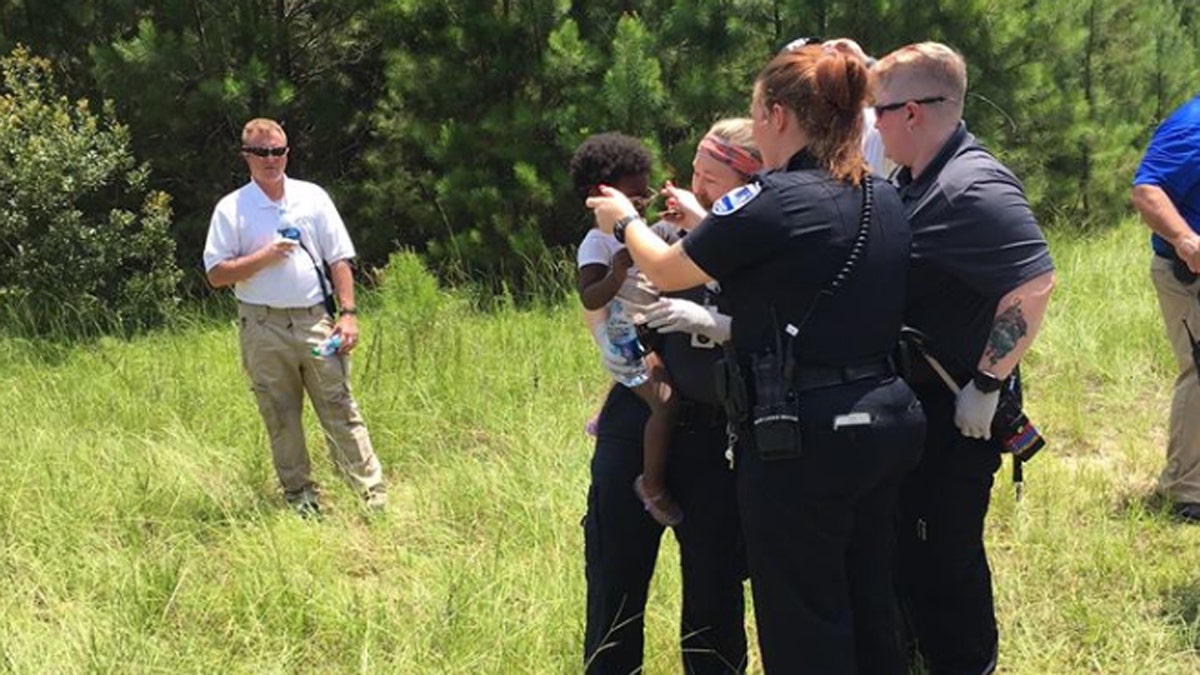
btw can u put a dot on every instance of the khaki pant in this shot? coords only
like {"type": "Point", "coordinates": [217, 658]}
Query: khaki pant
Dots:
{"type": "Point", "coordinates": [277, 356]}
{"type": "Point", "coordinates": [1180, 480]}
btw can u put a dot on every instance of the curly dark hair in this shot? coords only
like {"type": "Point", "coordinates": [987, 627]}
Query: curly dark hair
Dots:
{"type": "Point", "coordinates": [606, 158]}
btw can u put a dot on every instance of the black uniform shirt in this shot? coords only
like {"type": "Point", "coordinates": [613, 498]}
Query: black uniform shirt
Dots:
{"type": "Point", "coordinates": [774, 251]}
{"type": "Point", "coordinates": [974, 241]}
{"type": "Point", "coordinates": [690, 359]}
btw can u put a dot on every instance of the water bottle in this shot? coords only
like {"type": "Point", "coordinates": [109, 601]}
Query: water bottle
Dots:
{"type": "Point", "coordinates": [328, 346]}
{"type": "Point", "coordinates": [622, 335]}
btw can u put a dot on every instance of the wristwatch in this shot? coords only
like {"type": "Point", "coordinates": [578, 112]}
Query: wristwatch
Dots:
{"type": "Point", "coordinates": [347, 310]}
{"type": "Point", "coordinates": [986, 382]}
{"type": "Point", "coordinates": [619, 226]}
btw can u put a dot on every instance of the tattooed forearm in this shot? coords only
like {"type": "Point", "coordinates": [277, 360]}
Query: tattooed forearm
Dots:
{"type": "Point", "coordinates": [1010, 326]}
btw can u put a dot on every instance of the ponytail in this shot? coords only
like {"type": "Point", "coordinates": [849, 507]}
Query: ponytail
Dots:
{"type": "Point", "coordinates": [827, 90]}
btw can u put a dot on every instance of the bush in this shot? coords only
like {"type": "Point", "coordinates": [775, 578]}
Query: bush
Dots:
{"type": "Point", "coordinates": [409, 294]}
{"type": "Point", "coordinates": [85, 247]}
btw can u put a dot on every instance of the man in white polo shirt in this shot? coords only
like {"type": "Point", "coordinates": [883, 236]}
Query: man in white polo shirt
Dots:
{"type": "Point", "coordinates": [270, 240]}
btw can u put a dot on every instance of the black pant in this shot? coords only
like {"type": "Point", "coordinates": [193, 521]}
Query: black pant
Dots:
{"type": "Point", "coordinates": [621, 545]}
{"type": "Point", "coordinates": [819, 533]}
{"type": "Point", "coordinates": [942, 574]}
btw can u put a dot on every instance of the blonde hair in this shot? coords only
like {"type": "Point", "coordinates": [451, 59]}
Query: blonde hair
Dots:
{"type": "Point", "coordinates": [737, 131]}
{"type": "Point", "coordinates": [261, 124]}
{"type": "Point", "coordinates": [925, 69]}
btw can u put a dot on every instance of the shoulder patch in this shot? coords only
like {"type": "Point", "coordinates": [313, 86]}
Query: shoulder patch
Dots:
{"type": "Point", "coordinates": [736, 198]}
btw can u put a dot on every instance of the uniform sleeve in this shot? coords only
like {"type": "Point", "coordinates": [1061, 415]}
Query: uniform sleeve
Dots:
{"type": "Point", "coordinates": [221, 242]}
{"type": "Point", "coordinates": [994, 245]}
{"type": "Point", "coordinates": [1171, 160]}
{"type": "Point", "coordinates": [596, 248]}
{"type": "Point", "coordinates": [332, 236]}
{"type": "Point", "coordinates": [722, 245]}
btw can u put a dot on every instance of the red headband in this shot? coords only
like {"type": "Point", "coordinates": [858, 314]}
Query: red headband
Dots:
{"type": "Point", "coordinates": [730, 155]}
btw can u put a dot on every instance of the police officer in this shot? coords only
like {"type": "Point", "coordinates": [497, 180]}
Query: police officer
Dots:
{"type": "Point", "coordinates": [980, 280]}
{"type": "Point", "coordinates": [815, 280]}
{"type": "Point", "coordinates": [621, 539]}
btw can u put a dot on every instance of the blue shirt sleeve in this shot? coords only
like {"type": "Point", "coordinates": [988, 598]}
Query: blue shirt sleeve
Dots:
{"type": "Point", "coordinates": [1172, 161]}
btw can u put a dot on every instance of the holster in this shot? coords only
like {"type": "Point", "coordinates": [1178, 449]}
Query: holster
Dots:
{"type": "Point", "coordinates": [1010, 424]}
{"type": "Point", "coordinates": [731, 386]}
{"type": "Point", "coordinates": [1183, 274]}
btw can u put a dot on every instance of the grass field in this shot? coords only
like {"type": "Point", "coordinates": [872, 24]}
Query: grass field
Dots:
{"type": "Point", "coordinates": [141, 530]}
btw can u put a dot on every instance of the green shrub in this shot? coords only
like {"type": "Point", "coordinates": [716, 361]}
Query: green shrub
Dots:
{"type": "Point", "coordinates": [409, 294]}
{"type": "Point", "coordinates": [84, 246]}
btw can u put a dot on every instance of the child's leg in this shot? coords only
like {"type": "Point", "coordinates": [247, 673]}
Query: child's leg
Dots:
{"type": "Point", "coordinates": [656, 441]}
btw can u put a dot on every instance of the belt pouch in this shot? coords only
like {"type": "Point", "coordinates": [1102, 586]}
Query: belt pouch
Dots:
{"type": "Point", "coordinates": [731, 387]}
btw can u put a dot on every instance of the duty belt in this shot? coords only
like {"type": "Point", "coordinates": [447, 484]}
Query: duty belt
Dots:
{"type": "Point", "coordinates": [810, 376]}
{"type": "Point", "coordinates": [696, 414]}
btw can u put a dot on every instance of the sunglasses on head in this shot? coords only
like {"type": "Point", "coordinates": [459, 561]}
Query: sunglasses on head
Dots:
{"type": "Point", "coordinates": [801, 43]}
{"type": "Point", "coordinates": [266, 152]}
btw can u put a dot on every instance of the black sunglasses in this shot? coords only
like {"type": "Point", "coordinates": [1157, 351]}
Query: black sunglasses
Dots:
{"type": "Point", "coordinates": [265, 152]}
{"type": "Point", "coordinates": [881, 109]}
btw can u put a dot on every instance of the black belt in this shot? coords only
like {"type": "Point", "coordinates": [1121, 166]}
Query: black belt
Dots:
{"type": "Point", "coordinates": [696, 414]}
{"type": "Point", "coordinates": [1183, 274]}
{"type": "Point", "coordinates": [817, 377]}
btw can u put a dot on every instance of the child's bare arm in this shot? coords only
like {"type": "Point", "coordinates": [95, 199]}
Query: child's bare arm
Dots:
{"type": "Point", "coordinates": [598, 284]}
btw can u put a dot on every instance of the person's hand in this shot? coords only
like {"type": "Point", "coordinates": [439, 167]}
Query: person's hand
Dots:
{"type": "Point", "coordinates": [347, 327]}
{"type": "Point", "coordinates": [620, 368]}
{"type": "Point", "coordinates": [1188, 250]}
{"type": "Point", "coordinates": [621, 262]}
{"type": "Point", "coordinates": [278, 250]}
{"type": "Point", "coordinates": [974, 410]}
{"type": "Point", "coordinates": [687, 211]}
{"type": "Point", "coordinates": [676, 315]}
{"type": "Point", "coordinates": [610, 206]}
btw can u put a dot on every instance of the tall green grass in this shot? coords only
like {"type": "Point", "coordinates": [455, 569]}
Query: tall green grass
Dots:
{"type": "Point", "coordinates": [141, 530]}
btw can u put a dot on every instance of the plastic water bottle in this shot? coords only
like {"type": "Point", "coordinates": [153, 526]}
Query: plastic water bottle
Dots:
{"type": "Point", "coordinates": [328, 346]}
{"type": "Point", "coordinates": [622, 334]}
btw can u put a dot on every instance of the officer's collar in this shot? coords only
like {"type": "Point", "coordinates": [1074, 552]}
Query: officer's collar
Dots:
{"type": "Point", "coordinates": [956, 140]}
{"type": "Point", "coordinates": [802, 160]}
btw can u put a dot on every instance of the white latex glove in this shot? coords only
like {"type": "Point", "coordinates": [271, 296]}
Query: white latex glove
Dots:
{"type": "Point", "coordinates": [617, 365]}
{"type": "Point", "coordinates": [974, 410]}
{"type": "Point", "coordinates": [675, 315]}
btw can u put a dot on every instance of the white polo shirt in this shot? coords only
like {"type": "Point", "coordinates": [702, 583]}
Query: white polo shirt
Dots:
{"type": "Point", "coordinates": [246, 220]}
